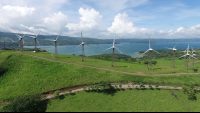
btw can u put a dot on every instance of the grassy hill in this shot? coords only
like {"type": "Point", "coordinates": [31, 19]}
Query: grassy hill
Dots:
{"type": "Point", "coordinates": [21, 75]}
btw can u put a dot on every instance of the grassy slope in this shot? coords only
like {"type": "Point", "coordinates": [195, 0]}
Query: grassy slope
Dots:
{"type": "Point", "coordinates": [125, 101]}
{"type": "Point", "coordinates": [26, 74]}
{"type": "Point", "coordinates": [163, 65]}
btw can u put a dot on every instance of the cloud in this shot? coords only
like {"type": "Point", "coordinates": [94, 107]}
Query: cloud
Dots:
{"type": "Point", "coordinates": [55, 21]}
{"type": "Point", "coordinates": [123, 26]}
{"type": "Point", "coordinates": [90, 19]}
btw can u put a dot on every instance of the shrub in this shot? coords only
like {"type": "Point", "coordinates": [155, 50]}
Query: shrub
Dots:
{"type": "Point", "coordinates": [190, 91]}
{"type": "Point", "coordinates": [120, 86]}
{"type": "Point", "coordinates": [28, 103]}
{"type": "Point", "coordinates": [195, 70]}
{"type": "Point", "coordinates": [56, 93]}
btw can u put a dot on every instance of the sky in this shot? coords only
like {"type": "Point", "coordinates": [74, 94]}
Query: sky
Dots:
{"type": "Point", "coordinates": [102, 19]}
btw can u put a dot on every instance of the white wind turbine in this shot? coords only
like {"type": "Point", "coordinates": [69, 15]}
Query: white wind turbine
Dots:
{"type": "Point", "coordinates": [173, 59]}
{"type": "Point", "coordinates": [113, 57]}
{"type": "Point", "coordinates": [193, 54]}
{"type": "Point", "coordinates": [56, 51]}
{"type": "Point", "coordinates": [83, 52]}
{"type": "Point", "coordinates": [187, 57]}
{"type": "Point", "coordinates": [21, 41]}
{"type": "Point", "coordinates": [13, 42]}
{"type": "Point", "coordinates": [35, 39]}
{"type": "Point", "coordinates": [149, 66]}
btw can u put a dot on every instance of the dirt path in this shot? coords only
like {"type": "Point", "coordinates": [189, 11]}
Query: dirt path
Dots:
{"type": "Point", "coordinates": [139, 73]}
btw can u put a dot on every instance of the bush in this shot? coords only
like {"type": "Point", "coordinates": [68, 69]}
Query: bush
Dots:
{"type": "Point", "coordinates": [190, 91]}
{"type": "Point", "coordinates": [195, 70]}
{"type": "Point", "coordinates": [28, 103]}
{"type": "Point", "coordinates": [56, 93]}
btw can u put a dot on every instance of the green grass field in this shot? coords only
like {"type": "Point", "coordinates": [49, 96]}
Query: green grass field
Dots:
{"type": "Point", "coordinates": [163, 65]}
{"type": "Point", "coordinates": [125, 101]}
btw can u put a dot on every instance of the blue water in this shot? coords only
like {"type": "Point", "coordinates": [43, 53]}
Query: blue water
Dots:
{"type": "Point", "coordinates": [126, 48]}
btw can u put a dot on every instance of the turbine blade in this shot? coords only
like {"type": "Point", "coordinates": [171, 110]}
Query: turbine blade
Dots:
{"type": "Point", "coordinates": [38, 34]}
{"type": "Point", "coordinates": [81, 36]}
{"type": "Point", "coordinates": [32, 36]}
{"type": "Point", "coordinates": [182, 56]}
{"type": "Point", "coordinates": [192, 56]}
{"type": "Point", "coordinates": [58, 35]}
{"type": "Point", "coordinates": [17, 36]}
{"type": "Point", "coordinates": [168, 48]}
{"type": "Point", "coordinates": [156, 52]}
{"type": "Point", "coordinates": [145, 52]}
{"type": "Point", "coordinates": [24, 35]}
{"type": "Point", "coordinates": [108, 48]}
{"type": "Point", "coordinates": [118, 50]}
{"type": "Point", "coordinates": [78, 46]}
{"type": "Point", "coordinates": [89, 45]}
{"type": "Point", "coordinates": [50, 40]}
{"type": "Point", "coordinates": [114, 41]}
{"type": "Point", "coordinates": [176, 45]}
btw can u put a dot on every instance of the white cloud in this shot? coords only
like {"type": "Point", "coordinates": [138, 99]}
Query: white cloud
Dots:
{"type": "Point", "coordinates": [56, 21]}
{"type": "Point", "coordinates": [90, 19]}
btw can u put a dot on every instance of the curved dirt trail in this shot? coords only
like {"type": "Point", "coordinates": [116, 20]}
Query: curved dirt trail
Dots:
{"type": "Point", "coordinates": [139, 73]}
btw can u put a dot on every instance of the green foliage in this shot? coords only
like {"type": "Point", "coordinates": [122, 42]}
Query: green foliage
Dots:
{"type": "Point", "coordinates": [190, 91]}
{"type": "Point", "coordinates": [70, 90]}
{"type": "Point", "coordinates": [120, 86]}
{"type": "Point", "coordinates": [195, 70]}
{"type": "Point", "coordinates": [146, 62]}
{"type": "Point", "coordinates": [150, 86]}
{"type": "Point", "coordinates": [28, 103]}
{"type": "Point", "coordinates": [154, 62]}
{"type": "Point", "coordinates": [56, 93]}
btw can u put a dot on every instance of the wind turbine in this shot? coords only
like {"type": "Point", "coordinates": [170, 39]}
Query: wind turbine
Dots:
{"type": "Point", "coordinates": [83, 52]}
{"type": "Point", "coordinates": [149, 67]}
{"type": "Point", "coordinates": [187, 57]}
{"type": "Point", "coordinates": [35, 38]}
{"type": "Point", "coordinates": [13, 42]}
{"type": "Point", "coordinates": [56, 51]}
{"type": "Point", "coordinates": [193, 54]}
{"type": "Point", "coordinates": [21, 45]}
{"type": "Point", "coordinates": [173, 59]}
{"type": "Point", "coordinates": [113, 48]}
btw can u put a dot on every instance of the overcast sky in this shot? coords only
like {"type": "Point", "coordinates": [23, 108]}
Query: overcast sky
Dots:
{"type": "Point", "coordinates": [102, 18]}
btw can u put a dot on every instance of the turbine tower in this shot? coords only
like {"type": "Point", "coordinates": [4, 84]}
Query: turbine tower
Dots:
{"type": "Point", "coordinates": [149, 66]}
{"type": "Point", "coordinates": [187, 57]}
{"type": "Point", "coordinates": [35, 39]}
{"type": "Point", "coordinates": [113, 57]}
{"type": "Point", "coordinates": [193, 54]}
{"type": "Point", "coordinates": [56, 51]}
{"type": "Point", "coordinates": [83, 52]}
{"type": "Point", "coordinates": [173, 59]}
{"type": "Point", "coordinates": [21, 42]}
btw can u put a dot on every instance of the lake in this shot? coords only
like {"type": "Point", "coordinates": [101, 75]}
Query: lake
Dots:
{"type": "Point", "coordinates": [126, 48]}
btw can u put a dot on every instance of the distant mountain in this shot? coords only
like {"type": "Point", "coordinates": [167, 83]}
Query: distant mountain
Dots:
{"type": "Point", "coordinates": [67, 40]}
{"type": "Point", "coordinates": [62, 40]}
